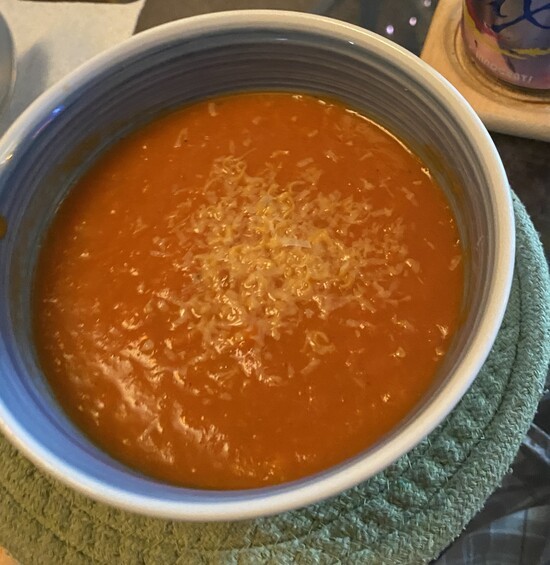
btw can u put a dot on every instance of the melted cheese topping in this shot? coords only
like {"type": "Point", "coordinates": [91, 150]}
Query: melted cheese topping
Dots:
{"type": "Point", "coordinates": [264, 256]}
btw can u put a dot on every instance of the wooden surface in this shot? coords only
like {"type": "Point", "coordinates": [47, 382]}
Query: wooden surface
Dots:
{"type": "Point", "coordinates": [502, 109]}
{"type": "Point", "coordinates": [5, 558]}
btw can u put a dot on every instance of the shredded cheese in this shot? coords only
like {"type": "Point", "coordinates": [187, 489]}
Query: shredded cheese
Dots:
{"type": "Point", "coordinates": [264, 256]}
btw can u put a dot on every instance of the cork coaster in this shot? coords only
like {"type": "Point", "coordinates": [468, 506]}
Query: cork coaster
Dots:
{"type": "Point", "coordinates": [502, 109]}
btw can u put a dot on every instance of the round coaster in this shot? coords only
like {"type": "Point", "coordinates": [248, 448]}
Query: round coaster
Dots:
{"type": "Point", "coordinates": [406, 514]}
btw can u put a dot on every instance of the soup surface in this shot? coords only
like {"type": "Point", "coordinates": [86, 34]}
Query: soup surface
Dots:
{"type": "Point", "coordinates": [247, 291]}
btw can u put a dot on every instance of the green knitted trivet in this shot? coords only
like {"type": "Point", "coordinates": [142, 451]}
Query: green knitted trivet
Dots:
{"type": "Point", "coordinates": [407, 514]}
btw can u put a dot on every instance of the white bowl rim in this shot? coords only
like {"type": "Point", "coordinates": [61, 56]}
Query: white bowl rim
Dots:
{"type": "Point", "coordinates": [263, 502]}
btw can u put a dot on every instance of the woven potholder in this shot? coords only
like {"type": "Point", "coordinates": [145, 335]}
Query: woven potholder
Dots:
{"type": "Point", "coordinates": [405, 515]}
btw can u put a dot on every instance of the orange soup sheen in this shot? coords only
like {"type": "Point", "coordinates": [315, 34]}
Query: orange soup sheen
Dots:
{"type": "Point", "coordinates": [247, 291]}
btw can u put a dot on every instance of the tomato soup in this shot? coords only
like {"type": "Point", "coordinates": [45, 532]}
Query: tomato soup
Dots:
{"type": "Point", "coordinates": [247, 291]}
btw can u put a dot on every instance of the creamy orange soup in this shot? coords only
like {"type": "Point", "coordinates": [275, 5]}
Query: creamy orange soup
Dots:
{"type": "Point", "coordinates": [247, 291]}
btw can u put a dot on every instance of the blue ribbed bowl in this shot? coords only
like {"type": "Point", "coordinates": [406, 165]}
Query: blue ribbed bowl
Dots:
{"type": "Point", "coordinates": [62, 133]}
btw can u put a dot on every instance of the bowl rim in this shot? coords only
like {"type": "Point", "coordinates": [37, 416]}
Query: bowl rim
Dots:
{"type": "Point", "coordinates": [268, 501]}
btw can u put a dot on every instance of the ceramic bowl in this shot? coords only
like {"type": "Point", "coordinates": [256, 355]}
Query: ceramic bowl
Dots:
{"type": "Point", "coordinates": [64, 130]}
